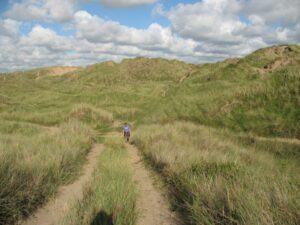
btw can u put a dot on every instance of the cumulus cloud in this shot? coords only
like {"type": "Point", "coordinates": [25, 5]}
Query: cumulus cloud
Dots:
{"type": "Point", "coordinates": [97, 30]}
{"type": "Point", "coordinates": [47, 38]}
{"type": "Point", "coordinates": [101, 40]}
{"type": "Point", "coordinates": [217, 24]}
{"type": "Point", "coordinates": [207, 30]}
{"type": "Point", "coordinates": [9, 27]}
{"type": "Point", "coordinates": [285, 12]}
{"type": "Point", "coordinates": [56, 10]}
{"type": "Point", "coordinates": [209, 20]}
{"type": "Point", "coordinates": [41, 47]}
{"type": "Point", "coordinates": [124, 3]}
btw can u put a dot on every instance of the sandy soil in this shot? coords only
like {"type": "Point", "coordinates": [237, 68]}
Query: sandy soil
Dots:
{"type": "Point", "coordinates": [61, 70]}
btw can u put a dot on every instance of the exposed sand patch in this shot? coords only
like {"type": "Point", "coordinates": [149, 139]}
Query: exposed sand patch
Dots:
{"type": "Point", "coordinates": [61, 70]}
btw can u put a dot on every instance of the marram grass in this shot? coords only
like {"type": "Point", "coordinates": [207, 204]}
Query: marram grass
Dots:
{"type": "Point", "coordinates": [110, 197]}
{"type": "Point", "coordinates": [218, 177]}
{"type": "Point", "coordinates": [32, 167]}
{"type": "Point", "coordinates": [216, 181]}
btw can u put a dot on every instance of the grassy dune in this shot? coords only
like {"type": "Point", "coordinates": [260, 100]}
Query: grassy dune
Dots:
{"type": "Point", "coordinates": [110, 197]}
{"type": "Point", "coordinates": [216, 181]}
{"type": "Point", "coordinates": [239, 95]}
{"type": "Point", "coordinates": [211, 129]}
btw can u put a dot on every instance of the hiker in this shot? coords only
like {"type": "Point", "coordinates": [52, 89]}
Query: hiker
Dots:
{"type": "Point", "coordinates": [126, 131]}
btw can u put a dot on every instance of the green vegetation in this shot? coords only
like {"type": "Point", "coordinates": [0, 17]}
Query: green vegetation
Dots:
{"type": "Point", "coordinates": [220, 133]}
{"type": "Point", "coordinates": [35, 160]}
{"type": "Point", "coordinates": [217, 181]}
{"type": "Point", "coordinates": [237, 95]}
{"type": "Point", "coordinates": [110, 197]}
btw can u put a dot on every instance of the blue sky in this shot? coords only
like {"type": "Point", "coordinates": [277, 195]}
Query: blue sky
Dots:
{"type": "Point", "coordinates": [35, 33]}
{"type": "Point", "coordinates": [139, 16]}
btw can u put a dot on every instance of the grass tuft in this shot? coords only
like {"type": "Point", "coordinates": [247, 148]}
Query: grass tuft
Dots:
{"type": "Point", "coordinates": [110, 197]}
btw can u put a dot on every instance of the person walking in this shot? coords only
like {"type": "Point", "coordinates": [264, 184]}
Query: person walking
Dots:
{"type": "Point", "coordinates": [126, 131]}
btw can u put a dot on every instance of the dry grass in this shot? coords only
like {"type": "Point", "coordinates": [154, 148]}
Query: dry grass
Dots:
{"type": "Point", "coordinates": [32, 167]}
{"type": "Point", "coordinates": [216, 181]}
{"type": "Point", "coordinates": [218, 178]}
{"type": "Point", "coordinates": [110, 196]}
{"type": "Point", "coordinates": [90, 114]}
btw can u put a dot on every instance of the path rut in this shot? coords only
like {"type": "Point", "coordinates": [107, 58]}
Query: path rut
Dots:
{"type": "Point", "coordinates": [53, 211]}
{"type": "Point", "coordinates": [152, 206]}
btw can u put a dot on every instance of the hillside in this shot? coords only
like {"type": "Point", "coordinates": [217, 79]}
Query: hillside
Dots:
{"type": "Point", "coordinates": [224, 136]}
{"type": "Point", "coordinates": [242, 94]}
{"type": "Point", "coordinates": [258, 94]}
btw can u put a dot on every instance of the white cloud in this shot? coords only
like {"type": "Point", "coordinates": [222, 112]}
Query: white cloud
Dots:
{"type": "Point", "coordinates": [56, 10]}
{"type": "Point", "coordinates": [97, 30]}
{"type": "Point", "coordinates": [218, 28]}
{"type": "Point", "coordinates": [47, 38]}
{"type": "Point", "coordinates": [209, 20]}
{"type": "Point", "coordinates": [124, 3]}
{"type": "Point", "coordinates": [43, 46]}
{"type": "Point", "coordinates": [272, 11]}
{"type": "Point", "coordinates": [61, 10]}
{"type": "Point", "coordinates": [9, 27]}
{"type": "Point", "coordinates": [25, 10]}
{"type": "Point", "coordinates": [282, 34]}
{"type": "Point", "coordinates": [40, 36]}
{"type": "Point", "coordinates": [207, 30]}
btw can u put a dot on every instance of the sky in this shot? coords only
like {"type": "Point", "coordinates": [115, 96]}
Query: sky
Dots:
{"type": "Point", "coordinates": [39, 33]}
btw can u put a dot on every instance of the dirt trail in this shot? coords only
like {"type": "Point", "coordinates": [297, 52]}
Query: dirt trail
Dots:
{"type": "Point", "coordinates": [152, 206]}
{"type": "Point", "coordinates": [278, 139]}
{"type": "Point", "coordinates": [55, 209]}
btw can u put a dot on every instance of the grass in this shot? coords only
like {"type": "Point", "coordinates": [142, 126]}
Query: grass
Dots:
{"type": "Point", "coordinates": [110, 197]}
{"type": "Point", "coordinates": [46, 149]}
{"type": "Point", "coordinates": [238, 95]}
{"type": "Point", "coordinates": [222, 126]}
{"type": "Point", "coordinates": [32, 166]}
{"type": "Point", "coordinates": [277, 101]}
{"type": "Point", "coordinates": [216, 181]}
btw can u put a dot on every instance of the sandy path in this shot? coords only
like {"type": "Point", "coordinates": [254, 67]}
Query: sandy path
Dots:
{"type": "Point", "coordinates": [152, 206]}
{"type": "Point", "coordinates": [55, 209]}
{"type": "Point", "coordinates": [278, 139]}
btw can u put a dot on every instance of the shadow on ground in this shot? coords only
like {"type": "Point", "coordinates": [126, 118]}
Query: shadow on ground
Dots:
{"type": "Point", "coordinates": [102, 218]}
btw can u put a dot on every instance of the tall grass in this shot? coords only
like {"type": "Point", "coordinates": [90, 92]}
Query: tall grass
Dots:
{"type": "Point", "coordinates": [269, 110]}
{"type": "Point", "coordinates": [97, 118]}
{"type": "Point", "coordinates": [110, 197]}
{"type": "Point", "coordinates": [32, 167]}
{"type": "Point", "coordinates": [216, 181]}
{"type": "Point", "coordinates": [234, 96]}
{"type": "Point", "coordinates": [84, 112]}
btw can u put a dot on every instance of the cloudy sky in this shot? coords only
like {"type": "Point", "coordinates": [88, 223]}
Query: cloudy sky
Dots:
{"type": "Point", "coordinates": [37, 33]}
